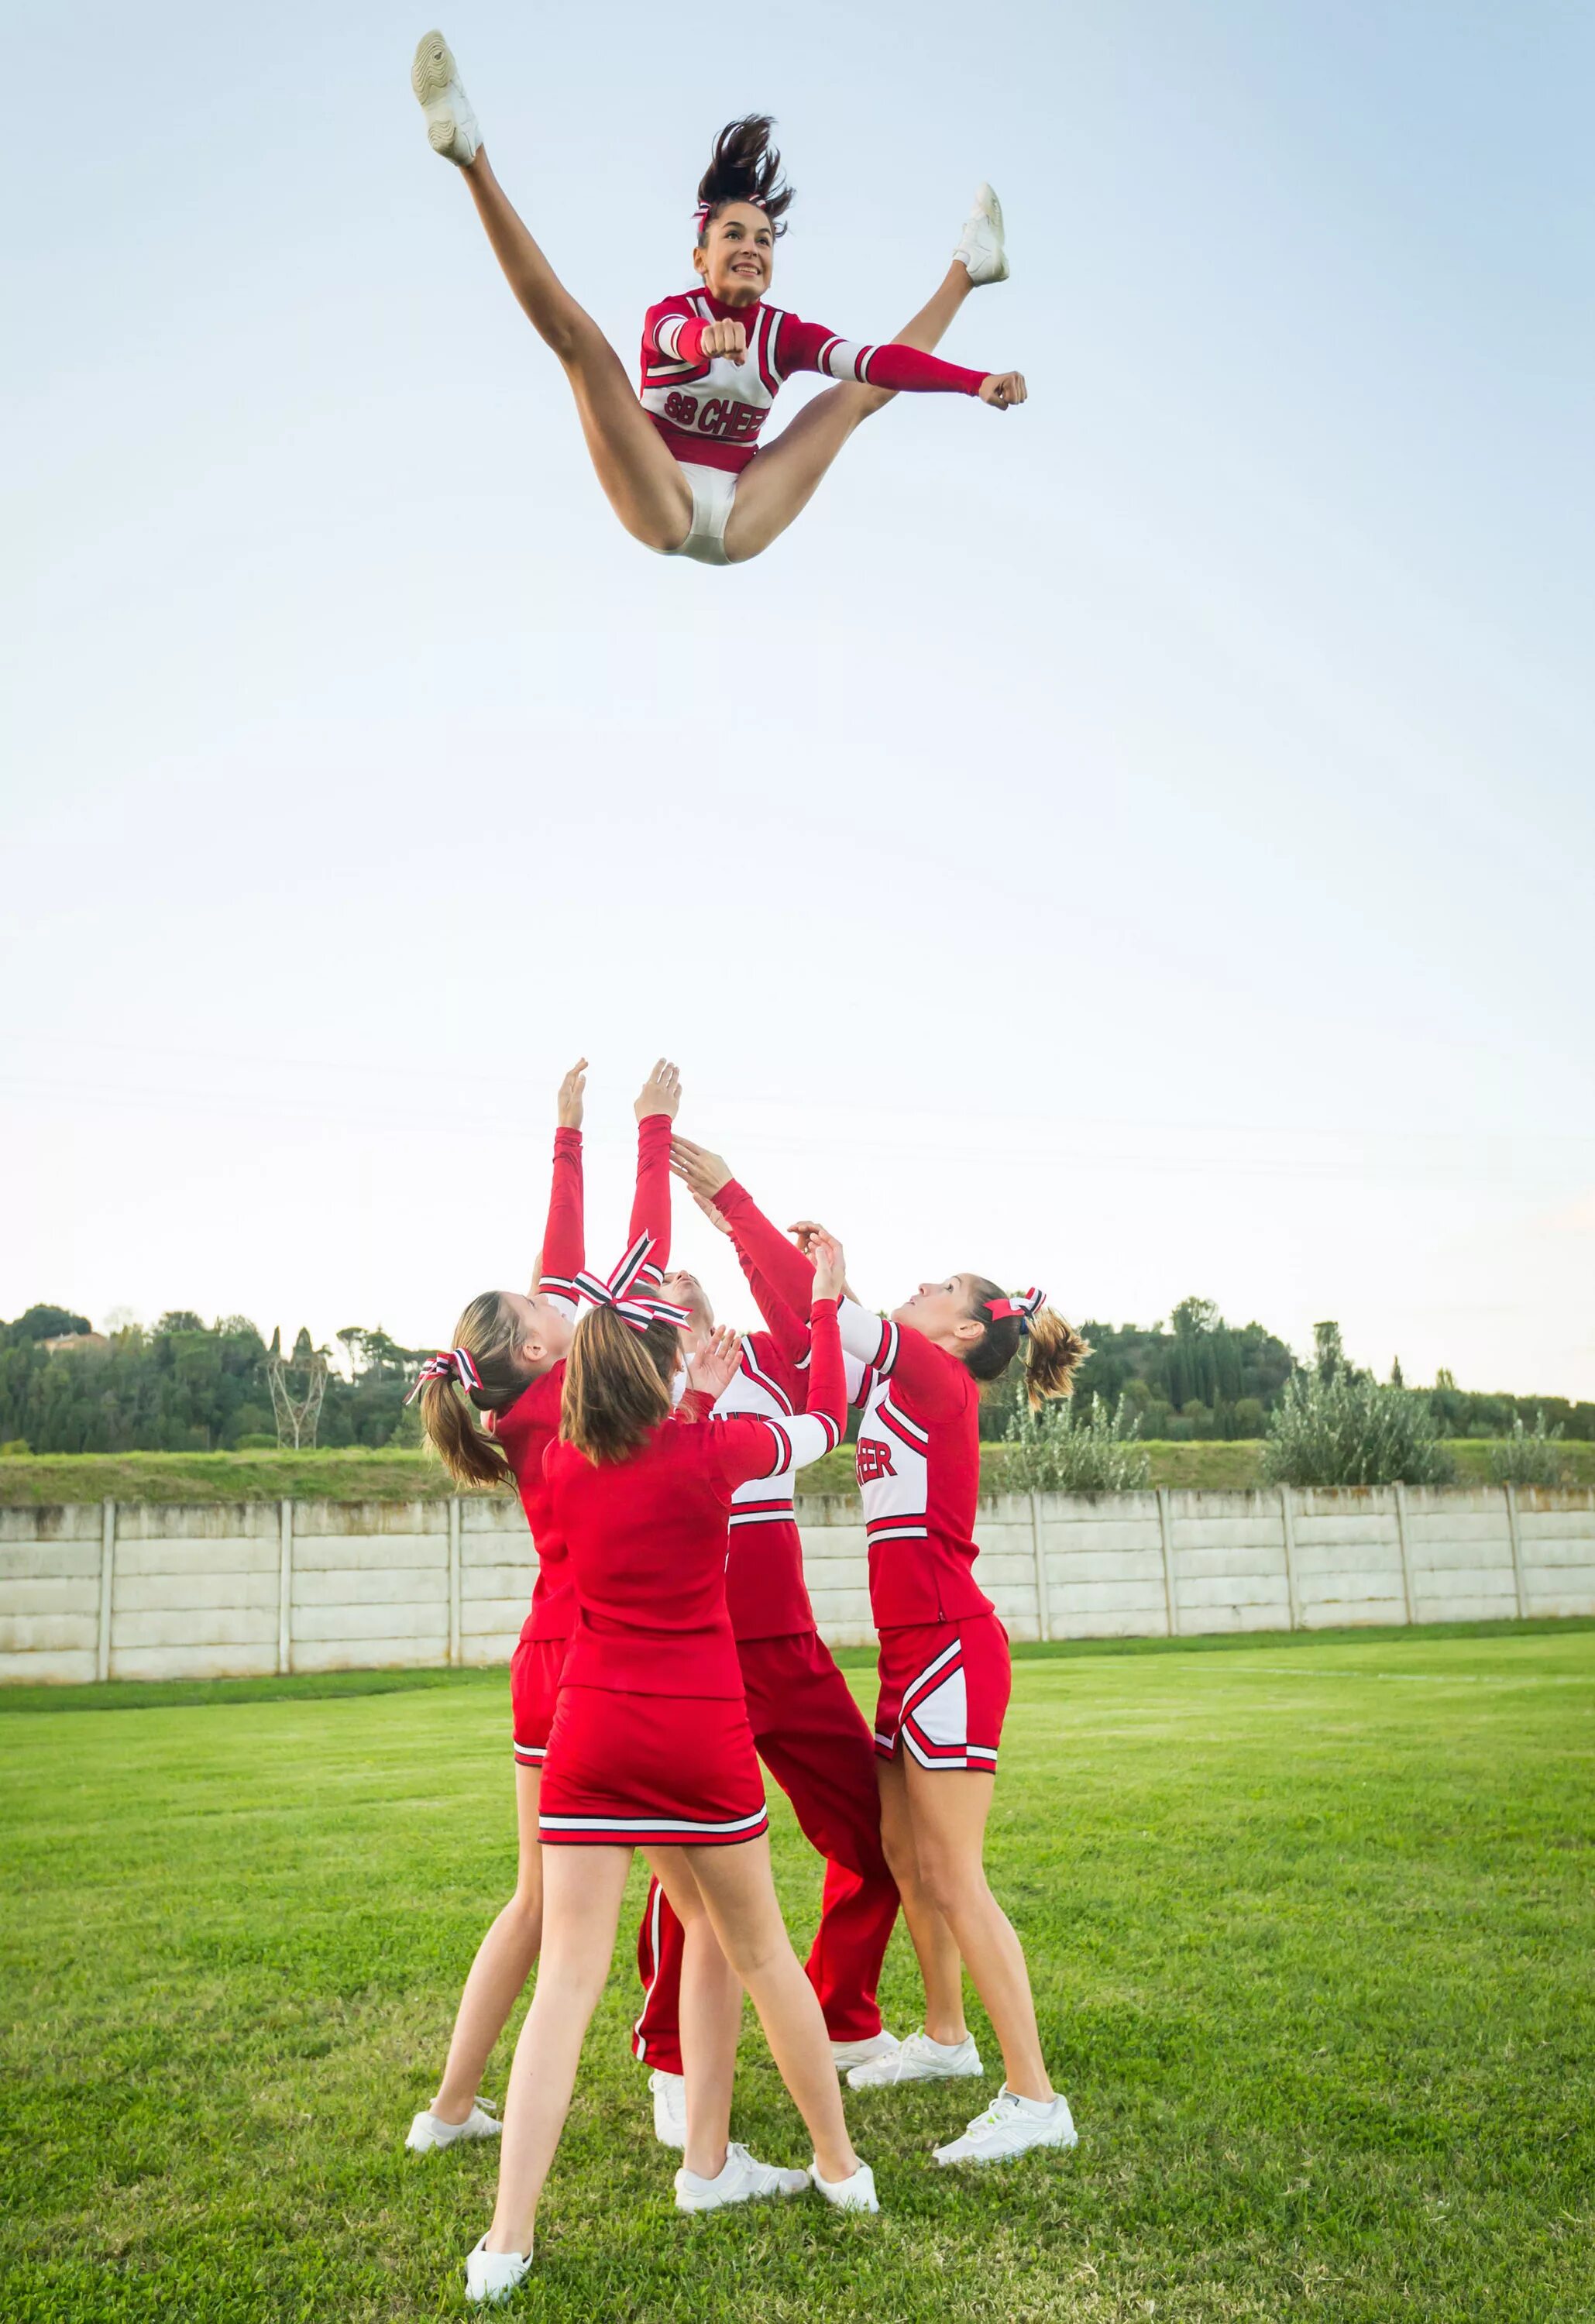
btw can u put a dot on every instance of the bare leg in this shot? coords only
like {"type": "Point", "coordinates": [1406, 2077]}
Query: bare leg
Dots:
{"type": "Point", "coordinates": [501, 1969]}
{"type": "Point", "coordinates": [948, 1812]}
{"type": "Point", "coordinates": [936, 1947]}
{"type": "Point", "coordinates": [645, 486]}
{"type": "Point", "coordinates": [741, 1898]}
{"type": "Point", "coordinates": [710, 2017]}
{"type": "Point", "coordinates": [779, 484]}
{"type": "Point", "coordinates": [582, 1893]}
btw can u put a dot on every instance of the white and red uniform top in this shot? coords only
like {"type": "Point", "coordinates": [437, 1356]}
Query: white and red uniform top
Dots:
{"type": "Point", "coordinates": [646, 1536]}
{"type": "Point", "coordinates": [526, 1428]}
{"type": "Point", "coordinates": [711, 410]}
{"type": "Point", "coordinates": [918, 1448]}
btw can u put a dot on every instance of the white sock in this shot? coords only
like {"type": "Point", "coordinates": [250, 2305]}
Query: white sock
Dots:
{"type": "Point", "coordinates": [1037, 2106]}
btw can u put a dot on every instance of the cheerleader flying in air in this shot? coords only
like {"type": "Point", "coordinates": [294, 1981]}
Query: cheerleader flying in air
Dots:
{"type": "Point", "coordinates": [681, 464]}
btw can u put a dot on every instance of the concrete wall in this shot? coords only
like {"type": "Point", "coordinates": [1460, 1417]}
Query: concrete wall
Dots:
{"type": "Point", "coordinates": [236, 1589]}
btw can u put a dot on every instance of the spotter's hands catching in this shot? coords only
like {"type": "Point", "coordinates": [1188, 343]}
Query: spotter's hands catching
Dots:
{"type": "Point", "coordinates": [829, 1266]}
{"type": "Point", "coordinates": [711, 1369]}
{"type": "Point", "coordinates": [572, 1090]}
{"type": "Point", "coordinates": [661, 1093]}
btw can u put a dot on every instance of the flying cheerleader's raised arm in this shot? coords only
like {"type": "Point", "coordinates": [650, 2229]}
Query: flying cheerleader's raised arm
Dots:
{"type": "Point", "coordinates": [679, 455]}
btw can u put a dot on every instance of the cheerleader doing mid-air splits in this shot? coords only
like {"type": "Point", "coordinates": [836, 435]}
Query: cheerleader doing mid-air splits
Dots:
{"type": "Point", "coordinates": [681, 464]}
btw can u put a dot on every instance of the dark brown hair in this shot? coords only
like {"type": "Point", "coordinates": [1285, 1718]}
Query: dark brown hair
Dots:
{"type": "Point", "coordinates": [1054, 1349]}
{"type": "Point", "coordinates": [617, 1384]}
{"type": "Point", "coordinates": [490, 1334]}
{"type": "Point", "coordinates": [745, 167]}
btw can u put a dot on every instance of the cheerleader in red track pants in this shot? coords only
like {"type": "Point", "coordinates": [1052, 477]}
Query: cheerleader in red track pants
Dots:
{"type": "Point", "coordinates": [651, 1748]}
{"type": "Point", "coordinates": [809, 1731]}
{"type": "Point", "coordinates": [943, 1654]}
{"type": "Point", "coordinates": [507, 1361]}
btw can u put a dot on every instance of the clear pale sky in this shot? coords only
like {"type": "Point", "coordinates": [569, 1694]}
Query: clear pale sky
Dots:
{"type": "Point", "coordinates": [1140, 844]}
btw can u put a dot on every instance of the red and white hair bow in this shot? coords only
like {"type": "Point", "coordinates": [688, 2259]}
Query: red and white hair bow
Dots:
{"type": "Point", "coordinates": [700, 216]}
{"type": "Point", "coordinates": [1022, 1304]}
{"type": "Point", "coordinates": [450, 1364]}
{"type": "Point", "coordinates": [636, 1309]}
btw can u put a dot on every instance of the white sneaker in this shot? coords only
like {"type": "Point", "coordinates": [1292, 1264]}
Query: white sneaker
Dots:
{"type": "Point", "coordinates": [854, 2194]}
{"type": "Point", "coordinates": [919, 2060]}
{"type": "Point", "coordinates": [980, 245]}
{"type": "Point", "coordinates": [451, 125]}
{"type": "Point", "coordinates": [742, 2179]}
{"type": "Point", "coordinates": [493, 2276]}
{"type": "Point", "coordinates": [429, 2132]}
{"type": "Point", "coordinates": [864, 2054]}
{"type": "Point", "coordinates": [670, 2108]}
{"type": "Point", "coordinates": [1011, 2125]}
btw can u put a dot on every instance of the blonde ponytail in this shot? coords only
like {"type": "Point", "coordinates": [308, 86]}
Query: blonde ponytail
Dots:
{"type": "Point", "coordinates": [1053, 1351]}
{"type": "Point", "coordinates": [489, 1333]}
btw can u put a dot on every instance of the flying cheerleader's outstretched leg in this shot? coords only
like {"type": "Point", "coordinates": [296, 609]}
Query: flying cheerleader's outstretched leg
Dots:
{"type": "Point", "coordinates": [783, 479]}
{"type": "Point", "coordinates": [646, 487]}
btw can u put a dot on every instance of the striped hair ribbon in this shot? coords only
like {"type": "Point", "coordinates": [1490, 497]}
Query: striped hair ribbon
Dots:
{"type": "Point", "coordinates": [700, 216]}
{"type": "Point", "coordinates": [1022, 1304]}
{"type": "Point", "coordinates": [634, 1308]}
{"type": "Point", "coordinates": [450, 1364]}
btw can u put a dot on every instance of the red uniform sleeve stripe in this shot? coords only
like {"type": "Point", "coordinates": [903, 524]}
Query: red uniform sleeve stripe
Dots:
{"type": "Point", "coordinates": [783, 1458]}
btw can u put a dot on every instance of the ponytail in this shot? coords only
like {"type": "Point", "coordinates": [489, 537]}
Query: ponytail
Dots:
{"type": "Point", "coordinates": [489, 1334]}
{"type": "Point", "coordinates": [1054, 1349]}
{"type": "Point", "coordinates": [744, 167]}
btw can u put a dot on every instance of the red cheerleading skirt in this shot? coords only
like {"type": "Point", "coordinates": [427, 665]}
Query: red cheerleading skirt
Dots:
{"type": "Point", "coordinates": [650, 1770]}
{"type": "Point", "coordinates": [943, 1690]}
{"type": "Point", "coordinates": [534, 1690]}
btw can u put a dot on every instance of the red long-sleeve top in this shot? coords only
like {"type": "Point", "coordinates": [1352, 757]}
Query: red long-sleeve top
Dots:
{"type": "Point", "coordinates": [646, 1536]}
{"type": "Point", "coordinates": [918, 1459]}
{"type": "Point", "coordinates": [711, 410]}
{"type": "Point", "coordinates": [530, 1425]}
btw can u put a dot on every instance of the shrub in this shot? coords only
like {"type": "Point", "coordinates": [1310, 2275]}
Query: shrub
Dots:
{"type": "Point", "coordinates": [13, 1448]}
{"type": "Point", "coordinates": [1339, 1428]}
{"type": "Point", "coordinates": [1529, 1456]}
{"type": "Point", "coordinates": [1064, 1450]}
{"type": "Point", "coordinates": [254, 1440]}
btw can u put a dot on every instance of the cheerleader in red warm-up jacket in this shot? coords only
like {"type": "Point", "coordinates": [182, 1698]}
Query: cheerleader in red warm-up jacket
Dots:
{"type": "Point", "coordinates": [507, 1361]}
{"type": "Point", "coordinates": [680, 467]}
{"type": "Point", "coordinates": [651, 1748]}
{"type": "Point", "coordinates": [943, 1654]}
{"type": "Point", "coordinates": [808, 1730]}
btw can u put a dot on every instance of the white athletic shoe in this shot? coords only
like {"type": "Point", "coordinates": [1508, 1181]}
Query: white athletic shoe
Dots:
{"type": "Point", "coordinates": [493, 2276]}
{"type": "Point", "coordinates": [1011, 2125]}
{"type": "Point", "coordinates": [451, 125]}
{"type": "Point", "coordinates": [429, 2132]}
{"type": "Point", "coordinates": [854, 2194]}
{"type": "Point", "coordinates": [980, 245]}
{"type": "Point", "coordinates": [864, 2054]}
{"type": "Point", "coordinates": [919, 2060]}
{"type": "Point", "coordinates": [670, 2108]}
{"type": "Point", "coordinates": [742, 2179]}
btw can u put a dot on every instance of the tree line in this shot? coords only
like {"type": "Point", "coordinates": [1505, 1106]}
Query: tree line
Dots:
{"type": "Point", "coordinates": [183, 1385]}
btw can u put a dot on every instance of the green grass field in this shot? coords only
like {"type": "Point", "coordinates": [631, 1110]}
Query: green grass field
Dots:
{"type": "Point", "coordinates": [1310, 1919]}
{"type": "Point", "coordinates": [36, 1480]}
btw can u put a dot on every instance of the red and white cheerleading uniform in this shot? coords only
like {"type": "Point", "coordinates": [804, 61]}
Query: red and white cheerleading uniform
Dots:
{"type": "Point", "coordinates": [806, 1729]}
{"type": "Point", "coordinates": [652, 1743]}
{"type": "Point", "coordinates": [526, 1428]}
{"type": "Point", "coordinates": [944, 1669]}
{"type": "Point", "coordinates": [711, 410]}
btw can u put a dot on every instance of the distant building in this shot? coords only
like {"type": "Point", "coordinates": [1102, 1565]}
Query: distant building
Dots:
{"type": "Point", "coordinates": [83, 1344]}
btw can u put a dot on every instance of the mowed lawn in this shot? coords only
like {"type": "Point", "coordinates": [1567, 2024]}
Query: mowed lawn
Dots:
{"type": "Point", "coordinates": [1311, 1930]}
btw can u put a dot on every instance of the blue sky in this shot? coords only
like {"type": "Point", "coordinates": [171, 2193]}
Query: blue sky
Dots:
{"type": "Point", "coordinates": [1140, 843]}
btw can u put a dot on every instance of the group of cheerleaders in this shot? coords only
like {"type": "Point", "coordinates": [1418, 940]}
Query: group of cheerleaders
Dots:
{"type": "Point", "coordinates": [679, 457]}
{"type": "Point", "coordinates": [671, 1645]}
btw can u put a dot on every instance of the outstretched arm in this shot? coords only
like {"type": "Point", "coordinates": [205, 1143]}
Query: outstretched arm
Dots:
{"type": "Point", "coordinates": [788, 1275]}
{"type": "Point", "coordinates": [786, 1326]}
{"type": "Point", "coordinates": [808, 346]}
{"type": "Point", "coordinates": [758, 1448]}
{"type": "Point", "coordinates": [657, 1101]}
{"type": "Point", "coordinates": [564, 1252]}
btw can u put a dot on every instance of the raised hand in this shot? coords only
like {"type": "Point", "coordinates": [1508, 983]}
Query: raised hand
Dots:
{"type": "Point", "coordinates": [711, 1210]}
{"type": "Point", "coordinates": [712, 1368]}
{"type": "Point", "coordinates": [808, 1233]}
{"type": "Point", "coordinates": [1003, 389]}
{"type": "Point", "coordinates": [661, 1093]}
{"type": "Point", "coordinates": [572, 1090]}
{"type": "Point", "coordinates": [830, 1265]}
{"type": "Point", "coordinates": [705, 1173]}
{"type": "Point", "coordinates": [726, 339]}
